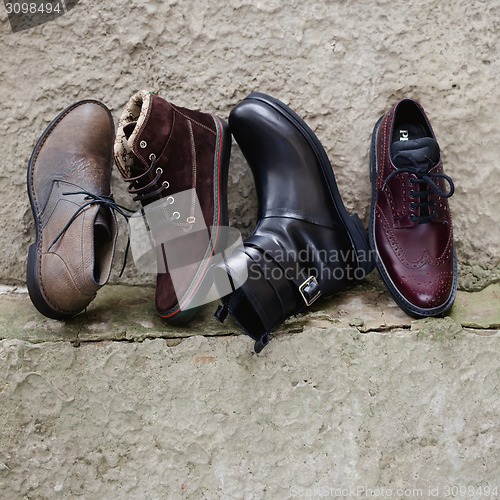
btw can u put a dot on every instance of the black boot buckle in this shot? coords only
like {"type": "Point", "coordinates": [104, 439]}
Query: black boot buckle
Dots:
{"type": "Point", "coordinates": [310, 290]}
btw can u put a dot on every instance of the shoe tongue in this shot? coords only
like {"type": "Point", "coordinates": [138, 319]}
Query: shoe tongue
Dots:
{"type": "Point", "coordinates": [132, 121]}
{"type": "Point", "coordinates": [421, 150]}
{"type": "Point", "coordinates": [102, 221]}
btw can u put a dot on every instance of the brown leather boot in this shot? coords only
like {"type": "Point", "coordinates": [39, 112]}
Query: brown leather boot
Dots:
{"type": "Point", "coordinates": [69, 190]}
{"type": "Point", "coordinates": [410, 220]}
{"type": "Point", "coordinates": [162, 150]}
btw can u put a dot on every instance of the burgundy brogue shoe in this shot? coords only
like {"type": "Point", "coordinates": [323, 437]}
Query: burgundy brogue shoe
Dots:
{"type": "Point", "coordinates": [410, 220]}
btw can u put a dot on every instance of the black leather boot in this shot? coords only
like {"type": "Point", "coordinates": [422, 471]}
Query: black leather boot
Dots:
{"type": "Point", "coordinates": [306, 245]}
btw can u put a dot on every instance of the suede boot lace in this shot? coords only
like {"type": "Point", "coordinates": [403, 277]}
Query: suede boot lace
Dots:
{"type": "Point", "coordinates": [141, 195]}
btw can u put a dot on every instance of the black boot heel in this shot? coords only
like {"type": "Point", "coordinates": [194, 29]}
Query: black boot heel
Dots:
{"type": "Point", "coordinates": [365, 258]}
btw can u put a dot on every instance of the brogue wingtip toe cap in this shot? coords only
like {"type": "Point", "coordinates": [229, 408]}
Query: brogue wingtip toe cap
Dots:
{"type": "Point", "coordinates": [427, 291]}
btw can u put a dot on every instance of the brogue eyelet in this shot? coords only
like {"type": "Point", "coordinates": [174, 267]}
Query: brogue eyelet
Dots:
{"type": "Point", "coordinates": [143, 144]}
{"type": "Point", "coordinates": [166, 184]}
{"type": "Point", "coordinates": [152, 157]}
{"type": "Point", "coordinates": [413, 206]}
{"type": "Point", "coordinates": [159, 170]}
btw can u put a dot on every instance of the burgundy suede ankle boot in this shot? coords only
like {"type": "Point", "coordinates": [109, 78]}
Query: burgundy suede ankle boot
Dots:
{"type": "Point", "coordinates": [166, 153]}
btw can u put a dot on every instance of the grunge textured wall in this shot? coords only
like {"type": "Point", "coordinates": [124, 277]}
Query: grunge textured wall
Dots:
{"type": "Point", "coordinates": [339, 64]}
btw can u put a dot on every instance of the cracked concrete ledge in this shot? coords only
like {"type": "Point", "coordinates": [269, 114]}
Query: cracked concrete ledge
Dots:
{"type": "Point", "coordinates": [124, 313]}
{"type": "Point", "coordinates": [208, 419]}
{"type": "Point", "coordinates": [354, 394]}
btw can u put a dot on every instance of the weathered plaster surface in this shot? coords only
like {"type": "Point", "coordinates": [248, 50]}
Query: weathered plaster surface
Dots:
{"type": "Point", "coordinates": [354, 394]}
{"type": "Point", "coordinates": [338, 64]}
{"type": "Point", "coordinates": [207, 419]}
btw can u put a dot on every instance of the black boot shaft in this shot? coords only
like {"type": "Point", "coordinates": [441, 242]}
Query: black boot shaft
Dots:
{"type": "Point", "coordinates": [280, 158]}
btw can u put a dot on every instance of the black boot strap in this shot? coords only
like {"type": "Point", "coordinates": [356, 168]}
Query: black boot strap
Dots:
{"type": "Point", "coordinates": [307, 285]}
{"type": "Point", "coordinates": [277, 288]}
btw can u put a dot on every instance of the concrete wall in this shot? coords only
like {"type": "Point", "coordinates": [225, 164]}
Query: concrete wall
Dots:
{"type": "Point", "coordinates": [338, 64]}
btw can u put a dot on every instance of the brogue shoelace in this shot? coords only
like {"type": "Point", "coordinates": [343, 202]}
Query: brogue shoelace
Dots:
{"type": "Point", "coordinates": [426, 180]}
{"type": "Point", "coordinates": [92, 199]}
